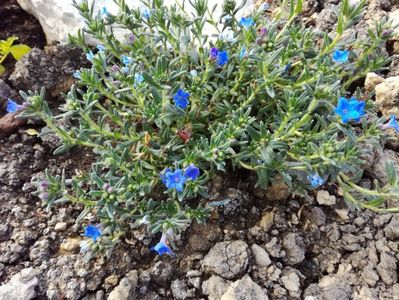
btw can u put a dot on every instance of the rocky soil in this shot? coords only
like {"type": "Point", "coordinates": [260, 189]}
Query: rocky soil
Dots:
{"type": "Point", "coordinates": [259, 245]}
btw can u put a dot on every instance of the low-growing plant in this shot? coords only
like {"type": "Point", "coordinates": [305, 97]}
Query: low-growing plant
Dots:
{"type": "Point", "coordinates": [170, 107]}
{"type": "Point", "coordinates": [7, 47]}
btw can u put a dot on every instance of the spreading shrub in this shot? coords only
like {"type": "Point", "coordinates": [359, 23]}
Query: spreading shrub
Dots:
{"type": "Point", "coordinates": [171, 106]}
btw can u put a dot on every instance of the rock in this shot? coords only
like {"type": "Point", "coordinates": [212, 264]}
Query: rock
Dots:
{"type": "Point", "coordinates": [393, 17]}
{"type": "Point", "coordinates": [227, 259]}
{"type": "Point", "coordinates": [377, 170]}
{"type": "Point", "coordinates": [326, 20]}
{"type": "Point", "coordinates": [246, 289]}
{"type": "Point", "coordinates": [277, 191]}
{"type": "Point", "coordinates": [60, 18]}
{"type": "Point", "coordinates": [387, 268]}
{"type": "Point", "coordinates": [111, 280]}
{"type": "Point", "coordinates": [60, 226]}
{"type": "Point", "coordinates": [324, 198]}
{"type": "Point", "coordinates": [21, 286]}
{"type": "Point", "coordinates": [291, 283]}
{"type": "Point", "coordinates": [180, 290]}
{"type": "Point", "coordinates": [294, 247]}
{"type": "Point", "coordinates": [51, 68]}
{"type": "Point", "coordinates": [71, 244]}
{"type": "Point", "coordinates": [387, 96]}
{"type": "Point", "coordinates": [372, 79]}
{"type": "Point", "coordinates": [5, 93]}
{"type": "Point", "coordinates": [9, 124]}
{"type": "Point", "coordinates": [392, 229]}
{"type": "Point", "coordinates": [161, 273]}
{"type": "Point", "coordinates": [267, 221]}
{"type": "Point", "coordinates": [369, 275]}
{"type": "Point", "coordinates": [262, 259]}
{"type": "Point", "coordinates": [126, 289]}
{"type": "Point", "coordinates": [335, 287]}
{"type": "Point", "coordinates": [215, 287]}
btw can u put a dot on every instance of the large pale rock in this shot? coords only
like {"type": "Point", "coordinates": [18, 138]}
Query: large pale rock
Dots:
{"type": "Point", "coordinates": [387, 96]}
{"type": "Point", "coordinates": [127, 287]}
{"type": "Point", "coordinates": [246, 289]}
{"type": "Point", "coordinates": [227, 259]}
{"type": "Point", "coordinates": [372, 79]}
{"type": "Point", "coordinates": [21, 286]}
{"type": "Point", "coordinates": [60, 18]}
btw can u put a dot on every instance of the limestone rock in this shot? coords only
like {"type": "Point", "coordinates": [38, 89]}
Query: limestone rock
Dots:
{"type": "Point", "coordinates": [392, 229]}
{"type": "Point", "coordinates": [262, 259]}
{"type": "Point", "coordinates": [246, 289]}
{"type": "Point", "coordinates": [227, 259]}
{"type": "Point", "coordinates": [294, 247]}
{"type": "Point", "coordinates": [60, 18]}
{"type": "Point", "coordinates": [372, 79]}
{"type": "Point", "coordinates": [387, 96]}
{"type": "Point", "coordinates": [126, 289]}
{"type": "Point", "coordinates": [291, 283]}
{"type": "Point", "coordinates": [324, 198]}
{"type": "Point", "coordinates": [215, 287]}
{"type": "Point", "coordinates": [387, 268]}
{"type": "Point", "coordinates": [21, 286]}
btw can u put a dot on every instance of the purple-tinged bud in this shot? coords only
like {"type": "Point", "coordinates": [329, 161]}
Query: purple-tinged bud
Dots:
{"type": "Point", "coordinates": [387, 32]}
{"type": "Point", "coordinates": [258, 41]}
{"type": "Point", "coordinates": [214, 53]}
{"type": "Point", "coordinates": [26, 104]}
{"type": "Point", "coordinates": [115, 68]}
{"type": "Point", "coordinates": [43, 185]}
{"type": "Point", "coordinates": [132, 38]}
{"type": "Point", "coordinates": [106, 186]}
{"type": "Point", "coordinates": [263, 32]}
{"type": "Point", "coordinates": [44, 196]}
{"type": "Point", "coordinates": [110, 189]}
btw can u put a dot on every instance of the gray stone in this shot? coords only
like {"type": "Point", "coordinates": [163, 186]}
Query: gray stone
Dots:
{"type": "Point", "coordinates": [51, 68]}
{"type": "Point", "coordinates": [370, 276]}
{"type": "Point", "coordinates": [21, 286]}
{"type": "Point", "coordinates": [378, 170]}
{"type": "Point", "coordinates": [392, 229]}
{"type": "Point", "coordinates": [126, 289]}
{"type": "Point", "coordinates": [180, 290]}
{"type": "Point", "coordinates": [291, 283]}
{"type": "Point", "coordinates": [335, 287]}
{"type": "Point", "coordinates": [294, 247]}
{"type": "Point", "coordinates": [246, 289]}
{"type": "Point", "coordinates": [387, 268]}
{"type": "Point", "coordinates": [60, 226]}
{"type": "Point", "coordinates": [215, 287]}
{"type": "Point", "coordinates": [262, 259]}
{"type": "Point", "coordinates": [161, 273]}
{"type": "Point", "coordinates": [227, 259]}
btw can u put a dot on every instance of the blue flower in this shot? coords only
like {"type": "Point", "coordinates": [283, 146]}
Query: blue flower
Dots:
{"type": "Point", "coordinates": [126, 60]}
{"type": "Point", "coordinates": [194, 73]}
{"type": "Point", "coordinates": [146, 14]}
{"type": "Point", "coordinates": [92, 232]}
{"type": "Point", "coordinates": [392, 123]}
{"type": "Point", "coordinates": [315, 180]}
{"type": "Point", "coordinates": [12, 106]}
{"type": "Point", "coordinates": [77, 75]}
{"type": "Point", "coordinates": [243, 52]}
{"type": "Point", "coordinates": [104, 12]}
{"type": "Point", "coordinates": [265, 6]}
{"type": "Point", "coordinates": [174, 180]}
{"type": "Point", "coordinates": [223, 58]}
{"type": "Point", "coordinates": [192, 172]}
{"type": "Point", "coordinates": [90, 55]}
{"type": "Point", "coordinates": [162, 248]}
{"type": "Point", "coordinates": [214, 52]}
{"type": "Point", "coordinates": [351, 109]}
{"type": "Point", "coordinates": [340, 56]}
{"type": "Point", "coordinates": [246, 22]}
{"type": "Point", "coordinates": [181, 98]}
{"type": "Point", "coordinates": [100, 47]}
{"type": "Point", "coordinates": [138, 79]}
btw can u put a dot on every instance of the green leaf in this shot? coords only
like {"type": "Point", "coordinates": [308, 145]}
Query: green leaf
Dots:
{"type": "Point", "coordinates": [17, 51]}
{"type": "Point", "coordinates": [2, 69]}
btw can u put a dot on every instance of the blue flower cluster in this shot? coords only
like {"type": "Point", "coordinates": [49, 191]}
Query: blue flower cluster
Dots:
{"type": "Point", "coordinates": [92, 232]}
{"type": "Point", "coordinates": [247, 22]}
{"type": "Point", "coordinates": [176, 179]}
{"type": "Point", "coordinates": [340, 56]}
{"type": "Point", "coordinates": [162, 248]}
{"type": "Point", "coordinates": [350, 109]}
{"type": "Point", "coordinates": [221, 57]}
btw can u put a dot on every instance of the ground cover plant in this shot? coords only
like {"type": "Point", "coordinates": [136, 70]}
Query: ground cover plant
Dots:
{"type": "Point", "coordinates": [167, 109]}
